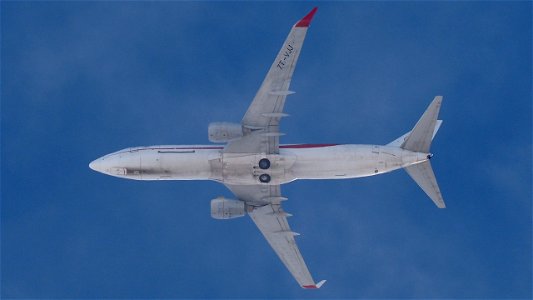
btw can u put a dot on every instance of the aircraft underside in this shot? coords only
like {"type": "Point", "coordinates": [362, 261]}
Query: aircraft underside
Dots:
{"type": "Point", "coordinates": [252, 164]}
{"type": "Point", "coordinates": [201, 162]}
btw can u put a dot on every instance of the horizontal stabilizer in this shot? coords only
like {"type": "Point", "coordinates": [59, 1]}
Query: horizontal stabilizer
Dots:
{"type": "Point", "coordinates": [399, 141]}
{"type": "Point", "coordinates": [422, 134]}
{"type": "Point", "coordinates": [423, 175]}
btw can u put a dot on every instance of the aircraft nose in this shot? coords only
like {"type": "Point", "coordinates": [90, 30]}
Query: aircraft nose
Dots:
{"type": "Point", "coordinates": [111, 164]}
{"type": "Point", "coordinates": [96, 165]}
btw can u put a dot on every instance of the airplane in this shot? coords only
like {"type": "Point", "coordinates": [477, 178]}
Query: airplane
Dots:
{"type": "Point", "coordinates": [253, 165]}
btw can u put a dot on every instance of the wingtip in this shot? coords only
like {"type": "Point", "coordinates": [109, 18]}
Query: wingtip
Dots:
{"type": "Point", "coordinates": [315, 286]}
{"type": "Point", "coordinates": [321, 283]}
{"type": "Point", "coordinates": [305, 21]}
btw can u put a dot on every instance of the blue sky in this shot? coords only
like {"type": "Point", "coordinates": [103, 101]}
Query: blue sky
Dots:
{"type": "Point", "coordinates": [80, 80]}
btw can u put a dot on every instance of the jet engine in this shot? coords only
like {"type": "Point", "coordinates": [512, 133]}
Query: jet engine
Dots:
{"type": "Point", "coordinates": [222, 208]}
{"type": "Point", "coordinates": [222, 132]}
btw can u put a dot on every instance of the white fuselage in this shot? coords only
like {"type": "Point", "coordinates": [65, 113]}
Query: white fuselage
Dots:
{"type": "Point", "coordinates": [208, 162]}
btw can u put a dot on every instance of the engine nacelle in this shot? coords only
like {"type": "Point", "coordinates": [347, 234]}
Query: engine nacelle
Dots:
{"type": "Point", "coordinates": [222, 132]}
{"type": "Point", "coordinates": [222, 208]}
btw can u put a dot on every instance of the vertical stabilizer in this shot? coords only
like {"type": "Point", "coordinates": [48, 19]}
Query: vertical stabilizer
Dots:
{"type": "Point", "coordinates": [420, 138]}
{"type": "Point", "coordinates": [423, 175]}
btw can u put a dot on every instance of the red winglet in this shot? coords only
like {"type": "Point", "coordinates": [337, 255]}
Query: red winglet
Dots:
{"type": "Point", "coordinates": [307, 19]}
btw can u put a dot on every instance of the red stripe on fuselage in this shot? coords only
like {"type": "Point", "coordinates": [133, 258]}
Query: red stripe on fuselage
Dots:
{"type": "Point", "coordinates": [291, 146]}
{"type": "Point", "coordinates": [186, 148]}
{"type": "Point", "coordinates": [300, 146]}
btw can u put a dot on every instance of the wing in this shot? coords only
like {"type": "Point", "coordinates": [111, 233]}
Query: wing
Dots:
{"type": "Point", "coordinates": [261, 122]}
{"type": "Point", "coordinates": [264, 202]}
